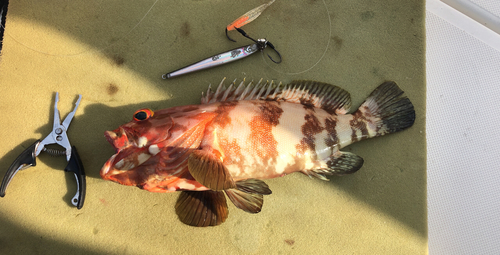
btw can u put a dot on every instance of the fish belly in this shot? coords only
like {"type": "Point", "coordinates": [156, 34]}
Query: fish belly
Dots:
{"type": "Point", "coordinates": [267, 139]}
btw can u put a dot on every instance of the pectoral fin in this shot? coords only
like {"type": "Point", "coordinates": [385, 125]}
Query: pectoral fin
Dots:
{"type": "Point", "coordinates": [208, 170]}
{"type": "Point", "coordinates": [201, 208]}
{"type": "Point", "coordinates": [248, 195]}
{"type": "Point", "coordinates": [340, 163]}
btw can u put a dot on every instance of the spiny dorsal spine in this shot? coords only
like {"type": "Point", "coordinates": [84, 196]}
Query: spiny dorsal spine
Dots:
{"type": "Point", "coordinates": [317, 94]}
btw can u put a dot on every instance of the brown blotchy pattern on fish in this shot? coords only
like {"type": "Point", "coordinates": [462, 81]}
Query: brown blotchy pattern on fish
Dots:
{"type": "Point", "coordinates": [367, 112]}
{"type": "Point", "coordinates": [222, 111]}
{"type": "Point", "coordinates": [261, 137]}
{"type": "Point", "coordinates": [332, 139]}
{"type": "Point", "coordinates": [358, 122]}
{"type": "Point", "coordinates": [308, 104]}
{"type": "Point", "coordinates": [232, 151]}
{"type": "Point", "coordinates": [367, 115]}
{"type": "Point", "coordinates": [311, 127]}
{"type": "Point", "coordinates": [271, 112]}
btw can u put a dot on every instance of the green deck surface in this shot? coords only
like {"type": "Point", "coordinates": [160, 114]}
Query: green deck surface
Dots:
{"type": "Point", "coordinates": [114, 54]}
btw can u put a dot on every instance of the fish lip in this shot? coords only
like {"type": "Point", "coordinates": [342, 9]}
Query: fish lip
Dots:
{"type": "Point", "coordinates": [118, 138]}
{"type": "Point", "coordinates": [110, 137]}
{"type": "Point", "coordinates": [107, 167]}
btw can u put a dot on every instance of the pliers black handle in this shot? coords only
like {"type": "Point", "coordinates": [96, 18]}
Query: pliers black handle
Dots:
{"type": "Point", "coordinates": [28, 158]}
{"type": "Point", "coordinates": [76, 167]}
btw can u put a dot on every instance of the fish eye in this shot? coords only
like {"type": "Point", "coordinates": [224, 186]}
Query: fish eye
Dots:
{"type": "Point", "coordinates": [143, 114]}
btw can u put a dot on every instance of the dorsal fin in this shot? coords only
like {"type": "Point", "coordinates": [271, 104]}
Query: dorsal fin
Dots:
{"type": "Point", "coordinates": [311, 93]}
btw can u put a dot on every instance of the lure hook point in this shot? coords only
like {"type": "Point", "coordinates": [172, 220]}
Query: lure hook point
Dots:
{"type": "Point", "coordinates": [230, 39]}
{"type": "Point", "coordinates": [277, 52]}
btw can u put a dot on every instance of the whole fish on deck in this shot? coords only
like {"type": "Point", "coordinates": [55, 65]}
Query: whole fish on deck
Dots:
{"type": "Point", "coordinates": [244, 134]}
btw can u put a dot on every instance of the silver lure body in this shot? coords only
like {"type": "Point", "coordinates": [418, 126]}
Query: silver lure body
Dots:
{"type": "Point", "coordinates": [216, 60]}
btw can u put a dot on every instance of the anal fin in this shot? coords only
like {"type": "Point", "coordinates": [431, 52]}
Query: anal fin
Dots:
{"type": "Point", "coordinates": [208, 170]}
{"type": "Point", "coordinates": [248, 195]}
{"type": "Point", "coordinates": [201, 208]}
{"type": "Point", "coordinates": [340, 163]}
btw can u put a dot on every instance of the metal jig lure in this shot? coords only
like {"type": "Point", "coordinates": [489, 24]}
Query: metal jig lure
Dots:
{"type": "Point", "coordinates": [227, 57]}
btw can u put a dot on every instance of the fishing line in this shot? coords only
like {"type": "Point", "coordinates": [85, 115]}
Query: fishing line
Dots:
{"type": "Point", "coordinates": [83, 52]}
{"type": "Point", "coordinates": [317, 62]}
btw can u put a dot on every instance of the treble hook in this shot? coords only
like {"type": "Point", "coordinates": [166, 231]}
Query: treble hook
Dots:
{"type": "Point", "coordinates": [262, 45]}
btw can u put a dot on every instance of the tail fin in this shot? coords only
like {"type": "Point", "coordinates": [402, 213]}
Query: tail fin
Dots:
{"type": "Point", "coordinates": [386, 110]}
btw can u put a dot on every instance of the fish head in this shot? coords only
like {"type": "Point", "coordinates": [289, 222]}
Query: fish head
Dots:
{"type": "Point", "coordinates": [146, 128]}
{"type": "Point", "coordinates": [136, 143]}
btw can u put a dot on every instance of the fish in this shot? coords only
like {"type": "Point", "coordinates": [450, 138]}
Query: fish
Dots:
{"type": "Point", "coordinates": [243, 134]}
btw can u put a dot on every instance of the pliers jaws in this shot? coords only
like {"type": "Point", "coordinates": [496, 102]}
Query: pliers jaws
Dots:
{"type": "Point", "coordinates": [58, 136]}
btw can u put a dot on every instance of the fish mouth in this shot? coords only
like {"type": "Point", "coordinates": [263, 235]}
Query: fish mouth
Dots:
{"type": "Point", "coordinates": [121, 166]}
{"type": "Point", "coordinates": [126, 167]}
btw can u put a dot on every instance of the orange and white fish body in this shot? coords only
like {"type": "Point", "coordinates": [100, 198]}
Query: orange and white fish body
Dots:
{"type": "Point", "coordinates": [267, 139]}
{"type": "Point", "coordinates": [244, 134]}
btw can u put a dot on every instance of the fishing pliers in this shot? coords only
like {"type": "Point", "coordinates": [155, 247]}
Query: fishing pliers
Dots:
{"type": "Point", "coordinates": [58, 136]}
